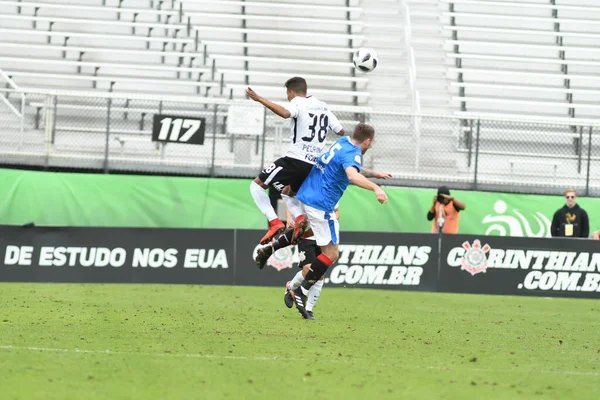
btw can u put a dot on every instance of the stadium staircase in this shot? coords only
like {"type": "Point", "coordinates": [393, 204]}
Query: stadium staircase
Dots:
{"type": "Point", "coordinates": [384, 31]}
{"type": "Point", "coordinates": [407, 36]}
{"type": "Point", "coordinates": [397, 28]}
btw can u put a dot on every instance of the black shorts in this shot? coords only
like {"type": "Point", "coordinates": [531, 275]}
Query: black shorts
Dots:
{"type": "Point", "coordinates": [308, 251]}
{"type": "Point", "coordinates": [285, 171]}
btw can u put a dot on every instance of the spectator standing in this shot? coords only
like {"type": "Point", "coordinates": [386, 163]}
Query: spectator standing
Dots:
{"type": "Point", "coordinates": [445, 212]}
{"type": "Point", "coordinates": [570, 220]}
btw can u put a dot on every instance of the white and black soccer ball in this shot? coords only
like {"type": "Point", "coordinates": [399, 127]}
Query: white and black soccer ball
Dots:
{"type": "Point", "coordinates": [365, 59]}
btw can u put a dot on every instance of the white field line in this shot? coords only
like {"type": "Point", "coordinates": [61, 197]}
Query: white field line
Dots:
{"type": "Point", "coordinates": [286, 359]}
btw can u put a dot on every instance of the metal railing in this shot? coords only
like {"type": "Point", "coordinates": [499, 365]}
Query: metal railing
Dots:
{"type": "Point", "coordinates": [103, 131]}
{"type": "Point", "coordinates": [6, 81]}
{"type": "Point", "coordinates": [410, 57]}
{"type": "Point", "coordinates": [412, 81]}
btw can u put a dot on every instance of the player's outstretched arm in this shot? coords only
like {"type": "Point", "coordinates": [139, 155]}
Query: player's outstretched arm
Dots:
{"type": "Point", "coordinates": [357, 179]}
{"type": "Point", "coordinates": [335, 125]}
{"type": "Point", "coordinates": [276, 108]}
{"type": "Point", "coordinates": [369, 173]}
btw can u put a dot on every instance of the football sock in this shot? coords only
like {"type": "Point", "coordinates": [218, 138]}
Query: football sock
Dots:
{"type": "Point", "coordinates": [315, 272]}
{"type": "Point", "coordinates": [293, 204]}
{"type": "Point", "coordinates": [317, 269]}
{"type": "Point", "coordinates": [284, 240]}
{"type": "Point", "coordinates": [261, 198]}
{"type": "Point", "coordinates": [313, 295]}
{"type": "Point", "coordinates": [297, 280]}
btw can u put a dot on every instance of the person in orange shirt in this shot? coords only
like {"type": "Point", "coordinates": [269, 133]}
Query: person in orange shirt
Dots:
{"type": "Point", "coordinates": [445, 212]}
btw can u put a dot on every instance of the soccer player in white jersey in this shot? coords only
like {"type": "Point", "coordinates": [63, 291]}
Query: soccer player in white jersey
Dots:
{"type": "Point", "coordinates": [311, 120]}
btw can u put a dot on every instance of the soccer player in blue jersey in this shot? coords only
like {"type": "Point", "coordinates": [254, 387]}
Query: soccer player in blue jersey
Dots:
{"type": "Point", "coordinates": [320, 192]}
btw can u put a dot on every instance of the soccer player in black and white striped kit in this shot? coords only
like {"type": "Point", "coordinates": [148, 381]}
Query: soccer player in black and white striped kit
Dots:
{"type": "Point", "coordinates": [311, 121]}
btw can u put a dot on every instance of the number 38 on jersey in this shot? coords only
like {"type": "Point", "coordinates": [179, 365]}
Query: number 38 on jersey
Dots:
{"type": "Point", "coordinates": [312, 119]}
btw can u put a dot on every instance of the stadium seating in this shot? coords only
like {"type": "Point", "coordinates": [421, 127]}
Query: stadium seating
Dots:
{"type": "Point", "coordinates": [142, 47]}
{"type": "Point", "coordinates": [78, 46]}
{"type": "Point", "coordinates": [535, 59]}
{"type": "Point", "coordinates": [251, 40]}
{"type": "Point", "coordinates": [260, 43]}
{"type": "Point", "coordinates": [538, 58]}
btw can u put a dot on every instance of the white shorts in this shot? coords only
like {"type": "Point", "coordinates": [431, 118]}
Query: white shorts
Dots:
{"type": "Point", "coordinates": [325, 226]}
{"type": "Point", "coordinates": [313, 237]}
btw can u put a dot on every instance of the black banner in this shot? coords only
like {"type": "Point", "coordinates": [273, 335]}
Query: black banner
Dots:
{"type": "Point", "coordinates": [366, 260]}
{"type": "Point", "coordinates": [466, 264]}
{"type": "Point", "coordinates": [48, 254]}
{"type": "Point", "coordinates": [520, 266]}
{"type": "Point", "coordinates": [178, 129]}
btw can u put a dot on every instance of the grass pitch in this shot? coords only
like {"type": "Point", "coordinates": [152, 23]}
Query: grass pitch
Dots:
{"type": "Point", "coordinates": [71, 341]}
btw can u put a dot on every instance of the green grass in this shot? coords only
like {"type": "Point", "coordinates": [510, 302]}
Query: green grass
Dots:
{"type": "Point", "coordinates": [202, 342]}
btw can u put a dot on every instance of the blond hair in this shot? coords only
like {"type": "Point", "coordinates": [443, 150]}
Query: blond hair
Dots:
{"type": "Point", "coordinates": [570, 190]}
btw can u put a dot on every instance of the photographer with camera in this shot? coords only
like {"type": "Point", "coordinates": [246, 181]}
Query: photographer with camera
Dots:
{"type": "Point", "coordinates": [445, 212]}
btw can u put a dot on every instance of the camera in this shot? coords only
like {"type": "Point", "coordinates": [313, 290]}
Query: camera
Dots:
{"type": "Point", "coordinates": [440, 198]}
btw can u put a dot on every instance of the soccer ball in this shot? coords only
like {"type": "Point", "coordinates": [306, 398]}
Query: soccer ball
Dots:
{"type": "Point", "coordinates": [365, 59]}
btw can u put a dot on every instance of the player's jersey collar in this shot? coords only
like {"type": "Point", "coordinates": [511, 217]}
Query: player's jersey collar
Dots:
{"type": "Point", "coordinates": [350, 141]}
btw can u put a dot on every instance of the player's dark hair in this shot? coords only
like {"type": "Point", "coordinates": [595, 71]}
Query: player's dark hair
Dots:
{"type": "Point", "coordinates": [297, 84]}
{"type": "Point", "coordinates": [363, 132]}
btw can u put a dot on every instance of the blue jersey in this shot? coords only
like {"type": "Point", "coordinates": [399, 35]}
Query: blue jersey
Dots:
{"type": "Point", "coordinates": [327, 181]}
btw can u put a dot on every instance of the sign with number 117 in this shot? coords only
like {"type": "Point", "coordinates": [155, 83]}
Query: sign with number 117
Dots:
{"type": "Point", "coordinates": [176, 129]}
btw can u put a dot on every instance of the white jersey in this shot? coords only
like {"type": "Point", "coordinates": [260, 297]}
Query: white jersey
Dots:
{"type": "Point", "coordinates": [311, 120]}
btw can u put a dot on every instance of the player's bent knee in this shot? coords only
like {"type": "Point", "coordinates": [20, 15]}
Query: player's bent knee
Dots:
{"type": "Point", "coordinates": [332, 253]}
